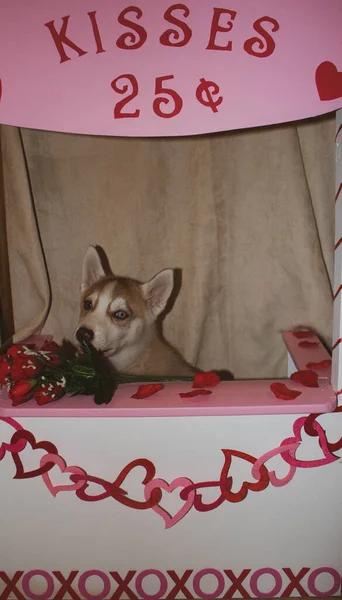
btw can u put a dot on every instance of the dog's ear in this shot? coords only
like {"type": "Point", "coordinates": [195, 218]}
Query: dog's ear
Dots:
{"type": "Point", "coordinates": [157, 291]}
{"type": "Point", "coordinates": [92, 269]}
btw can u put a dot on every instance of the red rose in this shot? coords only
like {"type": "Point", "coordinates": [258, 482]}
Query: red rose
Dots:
{"type": "Point", "coordinates": [16, 350]}
{"type": "Point", "coordinates": [204, 379]}
{"type": "Point", "coordinates": [48, 392]}
{"type": "Point", "coordinates": [4, 369]}
{"type": "Point", "coordinates": [52, 352]}
{"type": "Point", "coordinates": [21, 391]}
{"type": "Point", "coordinates": [25, 366]}
{"type": "Point", "coordinates": [50, 346]}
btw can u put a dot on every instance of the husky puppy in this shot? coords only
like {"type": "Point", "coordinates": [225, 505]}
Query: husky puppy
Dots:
{"type": "Point", "coordinates": [118, 317]}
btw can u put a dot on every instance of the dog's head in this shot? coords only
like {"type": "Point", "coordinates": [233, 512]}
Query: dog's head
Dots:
{"type": "Point", "coordinates": [118, 312]}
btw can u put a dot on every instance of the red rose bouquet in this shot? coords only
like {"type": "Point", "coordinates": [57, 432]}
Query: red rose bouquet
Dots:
{"type": "Point", "coordinates": [46, 374]}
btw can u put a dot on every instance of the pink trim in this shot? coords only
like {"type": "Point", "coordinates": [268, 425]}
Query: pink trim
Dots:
{"type": "Point", "coordinates": [338, 132]}
{"type": "Point", "coordinates": [228, 398]}
{"type": "Point", "coordinates": [337, 245]}
{"type": "Point", "coordinates": [303, 356]}
{"type": "Point", "coordinates": [337, 292]}
{"type": "Point", "coordinates": [337, 343]}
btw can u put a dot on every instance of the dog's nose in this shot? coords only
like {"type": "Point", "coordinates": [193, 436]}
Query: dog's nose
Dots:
{"type": "Point", "coordinates": [83, 334]}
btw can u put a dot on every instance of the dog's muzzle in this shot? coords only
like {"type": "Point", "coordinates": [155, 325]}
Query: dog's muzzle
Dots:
{"type": "Point", "coordinates": [83, 334]}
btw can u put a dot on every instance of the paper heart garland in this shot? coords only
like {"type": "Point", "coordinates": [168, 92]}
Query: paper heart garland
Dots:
{"type": "Point", "coordinates": [61, 464]}
{"type": "Point", "coordinates": [29, 437]}
{"type": "Point", "coordinates": [18, 446]}
{"type": "Point", "coordinates": [274, 480]}
{"type": "Point", "coordinates": [160, 484]}
{"type": "Point", "coordinates": [114, 489]}
{"type": "Point", "coordinates": [328, 81]}
{"type": "Point", "coordinates": [281, 391]}
{"type": "Point", "coordinates": [290, 457]}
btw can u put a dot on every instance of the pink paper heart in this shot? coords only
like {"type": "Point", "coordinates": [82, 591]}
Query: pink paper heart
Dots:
{"type": "Point", "coordinates": [182, 482]}
{"type": "Point", "coordinates": [290, 456]}
{"type": "Point", "coordinates": [13, 448]}
{"type": "Point", "coordinates": [60, 462]}
{"type": "Point", "coordinates": [275, 481]}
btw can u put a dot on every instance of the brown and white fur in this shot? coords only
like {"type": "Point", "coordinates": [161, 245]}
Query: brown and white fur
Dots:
{"type": "Point", "coordinates": [118, 316]}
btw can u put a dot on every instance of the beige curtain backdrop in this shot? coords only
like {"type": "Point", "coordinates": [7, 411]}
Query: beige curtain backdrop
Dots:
{"type": "Point", "coordinates": [247, 216]}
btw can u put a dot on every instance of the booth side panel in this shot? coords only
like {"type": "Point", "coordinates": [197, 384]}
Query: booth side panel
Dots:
{"type": "Point", "coordinates": [337, 324]}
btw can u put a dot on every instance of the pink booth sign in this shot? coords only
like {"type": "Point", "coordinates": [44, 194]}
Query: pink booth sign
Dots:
{"type": "Point", "coordinates": [160, 69]}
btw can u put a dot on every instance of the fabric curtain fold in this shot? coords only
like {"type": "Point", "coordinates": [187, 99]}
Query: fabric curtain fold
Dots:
{"type": "Point", "coordinates": [248, 218]}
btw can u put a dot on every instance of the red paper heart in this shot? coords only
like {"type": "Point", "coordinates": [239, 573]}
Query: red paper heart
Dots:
{"type": "Point", "coordinates": [307, 378]}
{"type": "Point", "coordinates": [281, 391]}
{"type": "Point", "coordinates": [114, 490]}
{"type": "Point", "coordinates": [226, 480]}
{"type": "Point", "coordinates": [308, 344]}
{"type": "Point", "coordinates": [194, 393]}
{"type": "Point", "coordinates": [206, 379]}
{"type": "Point", "coordinates": [324, 364]}
{"type": "Point", "coordinates": [29, 437]}
{"type": "Point", "coordinates": [303, 334]}
{"type": "Point", "coordinates": [144, 391]}
{"type": "Point", "coordinates": [328, 81]}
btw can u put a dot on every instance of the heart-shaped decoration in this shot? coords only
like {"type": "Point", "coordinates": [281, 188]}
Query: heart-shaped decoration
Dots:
{"type": "Point", "coordinates": [328, 81]}
{"type": "Point", "coordinates": [281, 391]}
{"type": "Point", "coordinates": [303, 334]}
{"type": "Point", "coordinates": [194, 393]}
{"type": "Point", "coordinates": [290, 456]}
{"type": "Point", "coordinates": [324, 364]}
{"type": "Point", "coordinates": [61, 464]}
{"type": "Point", "coordinates": [274, 480]}
{"type": "Point", "coordinates": [306, 378]}
{"type": "Point", "coordinates": [204, 379]}
{"type": "Point", "coordinates": [50, 448]}
{"type": "Point", "coordinates": [114, 489]}
{"type": "Point", "coordinates": [146, 390]}
{"type": "Point", "coordinates": [307, 344]}
{"type": "Point", "coordinates": [17, 447]}
{"type": "Point", "coordinates": [226, 481]}
{"type": "Point", "coordinates": [160, 484]}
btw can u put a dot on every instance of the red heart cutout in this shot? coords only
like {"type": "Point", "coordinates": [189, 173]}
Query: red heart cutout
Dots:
{"type": "Point", "coordinates": [194, 393]}
{"type": "Point", "coordinates": [114, 490]}
{"type": "Point", "coordinates": [29, 437]}
{"type": "Point", "coordinates": [226, 482]}
{"type": "Point", "coordinates": [281, 391]}
{"type": "Point", "coordinates": [144, 391]}
{"type": "Point", "coordinates": [206, 379]}
{"type": "Point", "coordinates": [328, 81]}
{"type": "Point", "coordinates": [303, 334]}
{"type": "Point", "coordinates": [307, 378]}
{"type": "Point", "coordinates": [308, 344]}
{"type": "Point", "coordinates": [324, 364]}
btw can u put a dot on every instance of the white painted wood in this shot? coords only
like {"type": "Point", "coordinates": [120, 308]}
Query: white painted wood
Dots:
{"type": "Point", "coordinates": [290, 527]}
{"type": "Point", "coordinates": [291, 367]}
{"type": "Point", "coordinates": [337, 320]}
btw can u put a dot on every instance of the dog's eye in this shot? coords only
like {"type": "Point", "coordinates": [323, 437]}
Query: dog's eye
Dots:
{"type": "Point", "coordinates": [120, 314]}
{"type": "Point", "coordinates": [87, 304]}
